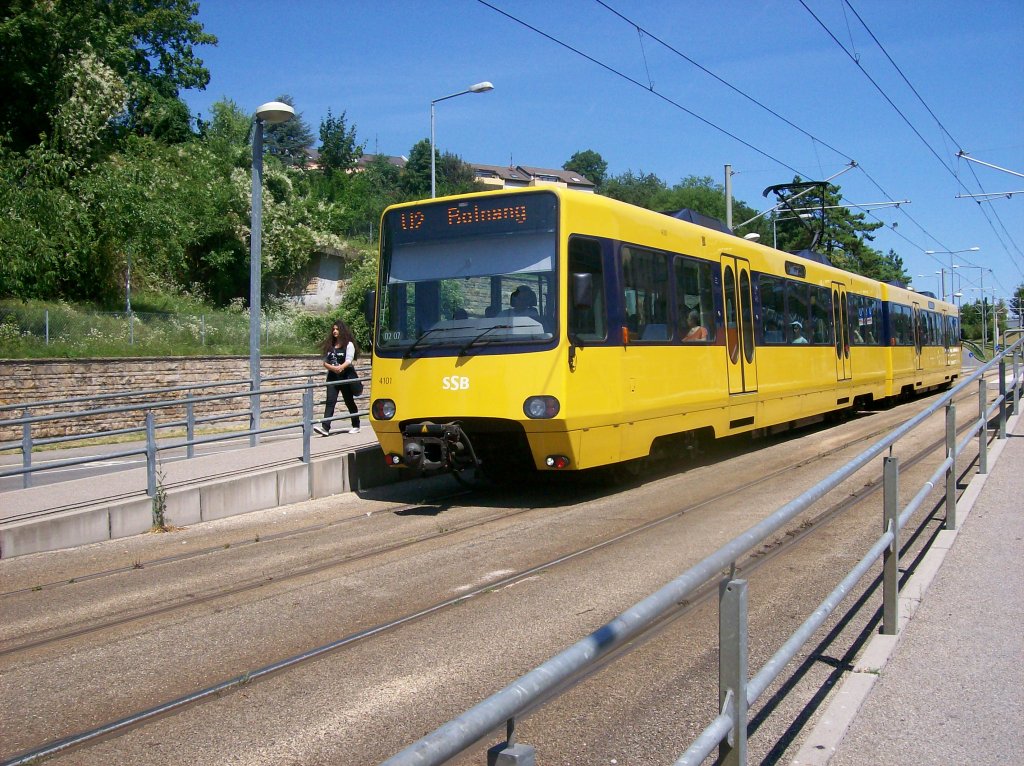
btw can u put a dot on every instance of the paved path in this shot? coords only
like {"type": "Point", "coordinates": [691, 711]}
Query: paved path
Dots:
{"type": "Point", "coordinates": [951, 688]}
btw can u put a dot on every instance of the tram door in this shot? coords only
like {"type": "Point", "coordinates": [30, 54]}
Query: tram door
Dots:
{"type": "Point", "coordinates": [841, 321]}
{"type": "Point", "coordinates": [739, 324]}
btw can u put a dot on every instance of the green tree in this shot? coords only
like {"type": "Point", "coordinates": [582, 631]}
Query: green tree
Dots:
{"type": "Point", "coordinates": [339, 148]}
{"type": "Point", "coordinates": [590, 165]}
{"type": "Point", "coordinates": [416, 175]}
{"type": "Point", "coordinates": [288, 141]}
{"type": "Point", "coordinates": [370, 191]}
{"type": "Point", "coordinates": [635, 188]}
{"type": "Point", "coordinates": [227, 133]}
{"type": "Point", "coordinates": [1016, 305]}
{"type": "Point", "coordinates": [353, 302]}
{"type": "Point", "coordinates": [454, 176]}
{"type": "Point", "coordinates": [145, 45]}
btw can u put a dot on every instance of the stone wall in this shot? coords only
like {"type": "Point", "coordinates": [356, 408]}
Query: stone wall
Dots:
{"type": "Point", "coordinates": [29, 381]}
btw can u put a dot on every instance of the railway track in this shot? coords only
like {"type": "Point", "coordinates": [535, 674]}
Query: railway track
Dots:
{"type": "Point", "coordinates": [750, 565]}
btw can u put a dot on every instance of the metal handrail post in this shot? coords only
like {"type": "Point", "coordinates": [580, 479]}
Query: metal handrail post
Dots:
{"type": "Point", "coordinates": [254, 412]}
{"type": "Point", "coordinates": [510, 752]}
{"type": "Point", "coordinates": [891, 557]}
{"type": "Point", "coordinates": [732, 669]}
{"type": "Point", "coordinates": [150, 453]}
{"type": "Point", "coordinates": [307, 424]}
{"type": "Point", "coordinates": [982, 426]}
{"type": "Point", "coordinates": [951, 520]}
{"type": "Point", "coordinates": [1016, 380]}
{"type": "Point", "coordinates": [26, 451]}
{"type": "Point", "coordinates": [1002, 397]}
{"type": "Point", "coordinates": [190, 428]}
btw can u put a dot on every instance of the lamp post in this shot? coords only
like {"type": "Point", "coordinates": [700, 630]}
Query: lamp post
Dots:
{"type": "Point", "coordinates": [951, 253]}
{"type": "Point", "coordinates": [272, 112]}
{"type": "Point", "coordinates": [480, 87]}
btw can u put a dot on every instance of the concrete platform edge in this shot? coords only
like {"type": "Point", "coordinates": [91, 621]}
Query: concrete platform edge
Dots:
{"type": "Point", "coordinates": [824, 739]}
{"type": "Point", "coordinates": [324, 476]}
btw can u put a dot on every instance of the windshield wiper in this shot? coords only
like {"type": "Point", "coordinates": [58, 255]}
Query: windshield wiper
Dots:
{"type": "Point", "coordinates": [408, 351]}
{"type": "Point", "coordinates": [480, 335]}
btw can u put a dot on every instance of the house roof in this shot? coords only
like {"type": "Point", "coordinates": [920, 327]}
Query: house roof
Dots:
{"type": "Point", "coordinates": [570, 177]}
{"type": "Point", "coordinates": [523, 174]}
{"type": "Point", "coordinates": [368, 159]}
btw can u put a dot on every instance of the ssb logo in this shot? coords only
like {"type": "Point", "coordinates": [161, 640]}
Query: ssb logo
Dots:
{"type": "Point", "coordinates": [454, 383]}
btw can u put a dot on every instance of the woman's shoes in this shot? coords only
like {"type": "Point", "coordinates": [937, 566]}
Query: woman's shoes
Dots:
{"type": "Point", "coordinates": [354, 430]}
{"type": "Point", "coordinates": [321, 431]}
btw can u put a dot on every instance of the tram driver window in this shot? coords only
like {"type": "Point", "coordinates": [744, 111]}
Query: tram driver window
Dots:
{"type": "Point", "coordinates": [587, 322]}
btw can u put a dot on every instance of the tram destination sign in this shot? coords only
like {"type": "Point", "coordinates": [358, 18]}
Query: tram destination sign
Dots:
{"type": "Point", "coordinates": [474, 217]}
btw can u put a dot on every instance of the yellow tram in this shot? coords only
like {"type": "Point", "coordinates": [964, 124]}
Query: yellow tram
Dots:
{"type": "Point", "coordinates": [558, 330]}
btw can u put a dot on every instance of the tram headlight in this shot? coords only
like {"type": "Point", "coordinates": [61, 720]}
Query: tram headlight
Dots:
{"type": "Point", "coordinates": [383, 409]}
{"type": "Point", "coordinates": [541, 407]}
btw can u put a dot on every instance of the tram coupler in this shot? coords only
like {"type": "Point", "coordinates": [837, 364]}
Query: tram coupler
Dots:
{"type": "Point", "coordinates": [434, 447]}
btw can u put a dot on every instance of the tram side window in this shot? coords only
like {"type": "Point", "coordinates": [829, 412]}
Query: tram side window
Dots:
{"type": "Point", "coordinates": [695, 311]}
{"type": "Point", "coordinates": [821, 315]}
{"type": "Point", "coordinates": [952, 332]}
{"type": "Point", "coordinates": [865, 319]}
{"type": "Point", "coordinates": [773, 308]}
{"type": "Point", "coordinates": [797, 313]}
{"type": "Point", "coordinates": [587, 322]}
{"type": "Point", "coordinates": [902, 325]}
{"type": "Point", "coordinates": [645, 299]}
{"type": "Point", "coordinates": [856, 309]}
{"type": "Point", "coordinates": [877, 314]}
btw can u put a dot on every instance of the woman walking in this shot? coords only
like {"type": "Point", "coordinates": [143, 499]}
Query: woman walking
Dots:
{"type": "Point", "coordinates": [340, 353]}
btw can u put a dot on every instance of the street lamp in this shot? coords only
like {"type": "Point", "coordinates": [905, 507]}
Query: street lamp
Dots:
{"type": "Point", "coordinates": [951, 253]}
{"type": "Point", "coordinates": [272, 112]}
{"type": "Point", "coordinates": [480, 87]}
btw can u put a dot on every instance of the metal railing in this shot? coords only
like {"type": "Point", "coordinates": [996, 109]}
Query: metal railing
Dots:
{"type": "Point", "coordinates": [728, 731]}
{"type": "Point", "coordinates": [148, 428]}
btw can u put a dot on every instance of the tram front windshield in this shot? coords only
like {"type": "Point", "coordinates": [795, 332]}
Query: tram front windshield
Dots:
{"type": "Point", "coordinates": [463, 275]}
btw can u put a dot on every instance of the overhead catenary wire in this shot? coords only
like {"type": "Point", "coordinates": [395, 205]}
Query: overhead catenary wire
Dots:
{"type": "Point", "coordinates": [960, 152]}
{"type": "Point", "coordinates": [642, 31]}
{"type": "Point", "coordinates": [650, 89]}
{"type": "Point", "coordinates": [757, 102]}
{"type": "Point", "coordinates": [856, 60]}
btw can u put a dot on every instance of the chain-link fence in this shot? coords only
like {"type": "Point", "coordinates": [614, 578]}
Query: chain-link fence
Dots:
{"type": "Point", "coordinates": [64, 331]}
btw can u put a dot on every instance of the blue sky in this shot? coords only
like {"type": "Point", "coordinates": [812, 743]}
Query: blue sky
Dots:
{"type": "Point", "coordinates": [383, 62]}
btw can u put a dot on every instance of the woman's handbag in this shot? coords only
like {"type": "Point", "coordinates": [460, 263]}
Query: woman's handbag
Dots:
{"type": "Point", "coordinates": [356, 387]}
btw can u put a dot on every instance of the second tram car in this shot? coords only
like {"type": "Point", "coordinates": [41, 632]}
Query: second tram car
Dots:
{"type": "Point", "coordinates": [558, 330]}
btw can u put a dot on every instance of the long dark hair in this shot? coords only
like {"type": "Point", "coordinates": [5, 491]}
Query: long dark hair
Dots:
{"type": "Point", "coordinates": [345, 337]}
